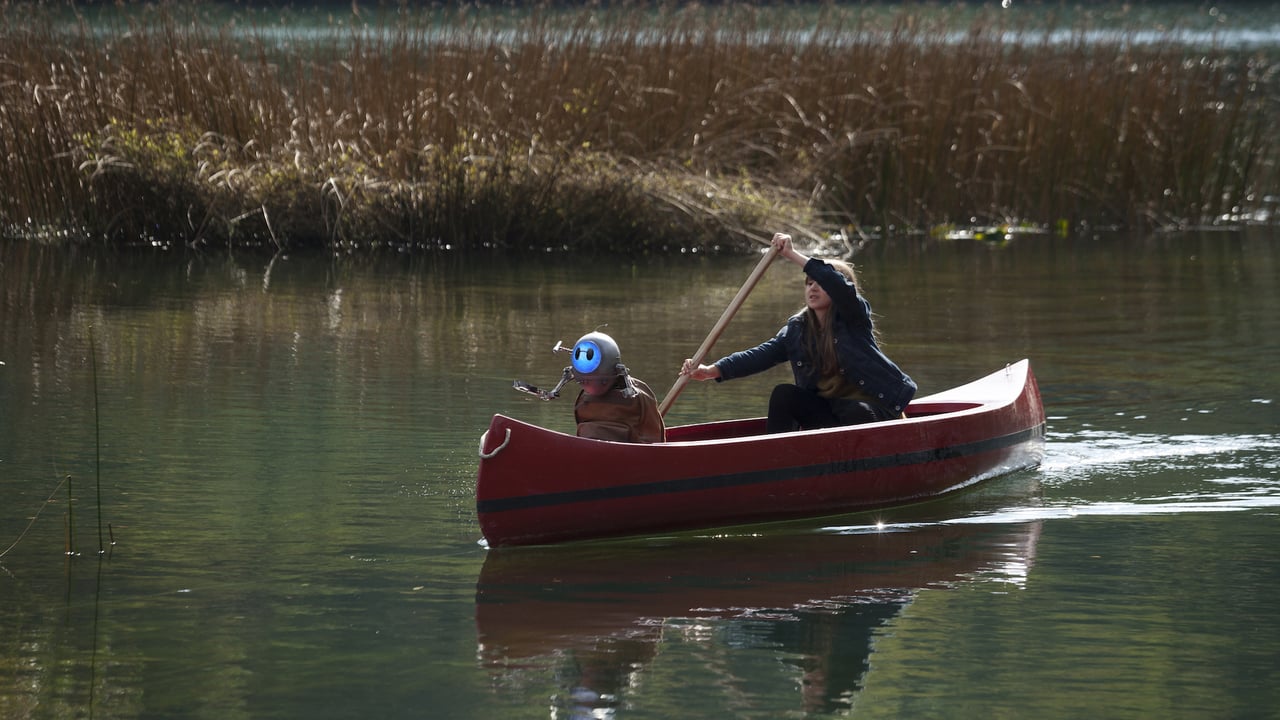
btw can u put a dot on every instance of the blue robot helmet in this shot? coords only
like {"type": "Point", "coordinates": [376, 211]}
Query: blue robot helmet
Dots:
{"type": "Point", "coordinates": [596, 355]}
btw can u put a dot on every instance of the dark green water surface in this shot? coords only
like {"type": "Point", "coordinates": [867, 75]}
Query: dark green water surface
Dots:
{"type": "Point", "coordinates": [287, 452]}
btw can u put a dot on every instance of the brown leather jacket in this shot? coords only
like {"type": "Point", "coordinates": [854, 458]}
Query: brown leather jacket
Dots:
{"type": "Point", "coordinates": [613, 416]}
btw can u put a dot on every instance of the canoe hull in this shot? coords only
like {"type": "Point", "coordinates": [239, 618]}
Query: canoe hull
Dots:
{"type": "Point", "coordinates": [537, 486]}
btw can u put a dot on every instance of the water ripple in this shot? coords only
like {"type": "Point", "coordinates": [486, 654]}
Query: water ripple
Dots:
{"type": "Point", "coordinates": [1068, 456]}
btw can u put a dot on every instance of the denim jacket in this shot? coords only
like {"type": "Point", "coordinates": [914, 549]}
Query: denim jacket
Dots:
{"type": "Point", "coordinates": [860, 359]}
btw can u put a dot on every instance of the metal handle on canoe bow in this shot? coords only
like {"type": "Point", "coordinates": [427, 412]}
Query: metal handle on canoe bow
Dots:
{"type": "Point", "coordinates": [485, 436]}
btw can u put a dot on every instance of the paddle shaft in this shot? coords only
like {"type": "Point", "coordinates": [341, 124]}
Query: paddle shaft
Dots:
{"type": "Point", "coordinates": [720, 325]}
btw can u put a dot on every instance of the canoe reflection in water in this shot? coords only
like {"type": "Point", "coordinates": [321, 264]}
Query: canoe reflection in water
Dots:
{"type": "Point", "coordinates": [600, 613]}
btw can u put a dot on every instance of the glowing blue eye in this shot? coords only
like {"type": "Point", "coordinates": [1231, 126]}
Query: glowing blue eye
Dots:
{"type": "Point", "coordinates": [586, 357]}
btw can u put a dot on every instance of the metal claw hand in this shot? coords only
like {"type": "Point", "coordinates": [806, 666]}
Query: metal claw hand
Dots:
{"type": "Point", "coordinates": [525, 387]}
{"type": "Point", "coordinates": [551, 394]}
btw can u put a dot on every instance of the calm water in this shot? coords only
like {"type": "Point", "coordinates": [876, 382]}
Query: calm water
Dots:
{"type": "Point", "coordinates": [288, 448]}
{"type": "Point", "coordinates": [1234, 25]}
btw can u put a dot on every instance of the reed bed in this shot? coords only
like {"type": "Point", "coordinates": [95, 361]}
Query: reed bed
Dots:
{"type": "Point", "coordinates": [635, 130]}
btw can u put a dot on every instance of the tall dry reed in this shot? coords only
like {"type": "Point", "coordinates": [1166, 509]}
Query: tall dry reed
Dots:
{"type": "Point", "coordinates": [625, 130]}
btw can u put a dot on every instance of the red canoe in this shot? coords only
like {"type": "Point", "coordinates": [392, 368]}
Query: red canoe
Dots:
{"type": "Point", "coordinates": [539, 486]}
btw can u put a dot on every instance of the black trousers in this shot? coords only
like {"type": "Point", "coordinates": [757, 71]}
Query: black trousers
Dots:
{"type": "Point", "coordinates": [794, 408]}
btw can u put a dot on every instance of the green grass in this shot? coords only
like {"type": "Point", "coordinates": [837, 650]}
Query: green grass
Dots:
{"type": "Point", "coordinates": [634, 130]}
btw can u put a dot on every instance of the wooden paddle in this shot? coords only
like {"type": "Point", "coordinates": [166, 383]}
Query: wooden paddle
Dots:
{"type": "Point", "coordinates": [720, 325]}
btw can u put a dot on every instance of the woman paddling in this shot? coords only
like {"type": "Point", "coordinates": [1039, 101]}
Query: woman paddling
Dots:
{"type": "Point", "coordinates": [841, 376]}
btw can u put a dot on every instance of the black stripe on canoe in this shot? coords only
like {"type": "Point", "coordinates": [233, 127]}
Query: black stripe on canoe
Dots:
{"type": "Point", "coordinates": [755, 477]}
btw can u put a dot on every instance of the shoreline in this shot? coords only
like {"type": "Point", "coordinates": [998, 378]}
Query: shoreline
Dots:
{"type": "Point", "coordinates": [457, 136]}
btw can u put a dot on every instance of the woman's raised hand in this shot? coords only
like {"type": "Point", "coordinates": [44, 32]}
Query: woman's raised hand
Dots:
{"type": "Point", "coordinates": [787, 249]}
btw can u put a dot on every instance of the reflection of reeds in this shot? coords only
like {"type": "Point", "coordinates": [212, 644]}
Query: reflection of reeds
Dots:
{"type": "Point", "coordinates": [620, 131]}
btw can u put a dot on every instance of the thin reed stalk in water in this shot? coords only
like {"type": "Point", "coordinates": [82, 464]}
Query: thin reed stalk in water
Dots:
{"type": "Point", "coordinates": [35, 517]}
{"type": "Point", "coordinates": [97, 436]}
{"type": "Point", "coordinates": [70, 546]}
